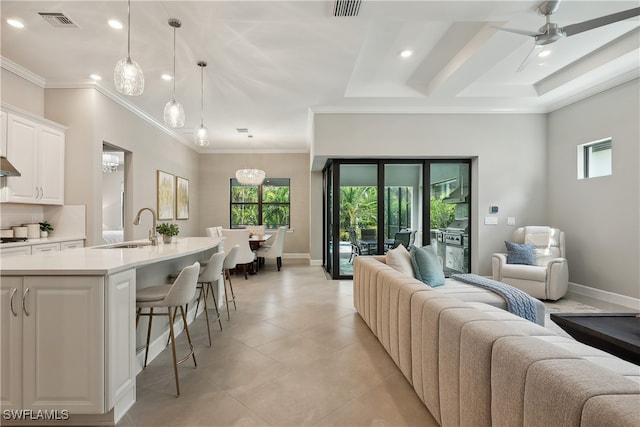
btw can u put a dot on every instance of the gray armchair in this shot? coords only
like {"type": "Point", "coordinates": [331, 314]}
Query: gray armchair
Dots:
{"type": "Point", "coordinates": [548, 277]}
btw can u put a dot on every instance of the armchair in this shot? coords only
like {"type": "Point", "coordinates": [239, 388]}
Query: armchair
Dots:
{"type": "Point", "coordinates": [548, 276]}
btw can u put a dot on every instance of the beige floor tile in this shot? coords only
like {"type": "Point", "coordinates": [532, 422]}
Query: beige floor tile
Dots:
{"type": "Point", "coordinates": [391, 403]}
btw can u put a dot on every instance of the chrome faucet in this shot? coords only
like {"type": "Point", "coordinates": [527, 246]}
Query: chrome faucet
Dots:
{"type": "Point", "coordinates": [152, 232]}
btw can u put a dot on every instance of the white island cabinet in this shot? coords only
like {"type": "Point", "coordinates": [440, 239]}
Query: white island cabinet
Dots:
{"type": "Point", "coordinates": [68, 338]}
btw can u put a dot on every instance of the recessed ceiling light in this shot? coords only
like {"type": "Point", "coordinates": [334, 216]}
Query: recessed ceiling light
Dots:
{"type": "Point", "coordinates": [95, 77]}
{"type": "Point", "coordinates": [15, 23]}
{"type": "Point", "coordinates": [406, 53]}
{"type": "Point", "coordinates": [167, 77]}
{"type": "Point", "coordinates": [115, 24]}
{"type": "Point", "coordinates": [544, 53]}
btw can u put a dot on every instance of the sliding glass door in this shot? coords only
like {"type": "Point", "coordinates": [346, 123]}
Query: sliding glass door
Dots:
{"type": "Point", "coordinates": [372, 206]}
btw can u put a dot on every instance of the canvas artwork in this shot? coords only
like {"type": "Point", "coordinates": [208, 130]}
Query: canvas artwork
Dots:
{"type": "Point", "coordinates": [166, 195]}
{"type": "Point", "coordinates": [182, 198]}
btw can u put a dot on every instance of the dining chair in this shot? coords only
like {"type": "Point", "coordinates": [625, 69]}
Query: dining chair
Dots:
{"type": "Point", "coordinates": [274, 251]}
{"type": "Point", "coordinates": [245, 256]}
{"type": "Point", "coordinates": [175, 295]}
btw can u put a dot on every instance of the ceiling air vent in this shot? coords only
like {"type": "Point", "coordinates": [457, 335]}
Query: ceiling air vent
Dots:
{"type": "Point", "coordinates": [242, 130]}
{"type": "Point", "coordinates": [346, 7]}
{"type": "Point", "coordinates": [58, 19]}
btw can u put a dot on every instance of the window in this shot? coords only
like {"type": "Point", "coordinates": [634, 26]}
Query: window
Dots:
{"type": "Point", "coordinates": [594, 159]}
{"type": "Point", "coordinates": [267, 204]}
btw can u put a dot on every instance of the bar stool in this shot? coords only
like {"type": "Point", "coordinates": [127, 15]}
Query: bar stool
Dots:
{"type": "Point", "coordinates": [211, 273]}
{"type": "Point", "coordinates": [230, 263]}
{"type": "Point", "coordinates": [171, 296]}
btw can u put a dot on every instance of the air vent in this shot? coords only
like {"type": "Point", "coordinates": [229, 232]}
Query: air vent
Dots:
{"type": "Point", "coordinates": [58, 19]}
{"type": "Point", "coordinates": [346, 7]}
{"type": "Point", "coordinates": [242, 130]}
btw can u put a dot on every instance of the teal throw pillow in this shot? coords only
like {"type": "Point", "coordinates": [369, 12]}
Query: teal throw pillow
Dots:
{"type": "Point", "coordinates": [426, 266]}
{"type": "Point", "coordinates": [520, 253]}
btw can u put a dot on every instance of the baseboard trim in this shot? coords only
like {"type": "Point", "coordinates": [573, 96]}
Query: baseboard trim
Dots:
{"type": "Point", "coordinates": [606, 296]}
{"type": "Point", "coordinates": [315, 262]}
{"type": "Point", "coordinates": [293, 255]}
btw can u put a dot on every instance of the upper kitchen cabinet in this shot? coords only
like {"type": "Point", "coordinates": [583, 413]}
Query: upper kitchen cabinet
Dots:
{"type": "Point", "coordinates": [36, 149]}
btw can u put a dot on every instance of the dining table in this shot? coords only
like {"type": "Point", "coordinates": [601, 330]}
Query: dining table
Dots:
{"type": "Point", "coordinates": [256, 240]}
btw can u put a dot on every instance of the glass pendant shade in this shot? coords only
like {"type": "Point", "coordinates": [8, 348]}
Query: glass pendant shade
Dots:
{"type": "Point", "coordinates": [127, 76]}
{"type": "Point", "coordinates": [250, 176]}
{"type": "Point", "coordinates": [174, 114]}
{"type": "Point", "coordinates": [201, 136]}
{"type": "Point", "coordinates": [173, 110]}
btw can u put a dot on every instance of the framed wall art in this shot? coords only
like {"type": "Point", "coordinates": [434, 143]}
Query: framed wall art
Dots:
{"type": "Point", "coordinates": [182, 198]}
{"type": "Point", "coordinates": [166, 195]}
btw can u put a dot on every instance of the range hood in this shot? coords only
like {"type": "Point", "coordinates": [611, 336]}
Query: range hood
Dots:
{"type": "Point", "coordinates": [6, 168]}
{"type": "Point", "coordinates": [459, 195]}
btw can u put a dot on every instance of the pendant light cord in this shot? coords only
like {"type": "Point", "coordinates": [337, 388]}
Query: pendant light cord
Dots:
{"type": "Point", "coordinates": [174, 63]}
{"type": "Point", "coordinates": [201, 95]}
{"type": "Point", "coordinates": [129, 30]}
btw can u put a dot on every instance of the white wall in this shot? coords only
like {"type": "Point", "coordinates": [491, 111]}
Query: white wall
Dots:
{"type": "Point", "coordinates": [111, 199]}
{"type": "Point", "coordinates": [217, 169]}
{"type": "Point", "coordinates": [93, 120]}
{"type": "Point", "coordinates": [600, 216]}
{"type": "Point", "coordinates": [509, 162]}
{"type": "Point", "coordinates": [21, 93]}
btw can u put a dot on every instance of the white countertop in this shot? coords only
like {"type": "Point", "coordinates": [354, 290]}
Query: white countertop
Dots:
{"type": "Point", "coordinates": [52, 239]}
{"type": "Point", "coordinates": [102, 260]}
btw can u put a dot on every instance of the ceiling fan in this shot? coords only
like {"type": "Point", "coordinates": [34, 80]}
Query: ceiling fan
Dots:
{"type": "Point", "coordinates": [550, 32]}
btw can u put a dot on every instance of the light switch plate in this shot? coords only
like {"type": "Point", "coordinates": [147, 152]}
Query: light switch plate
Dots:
{"type": "Point", "coordinates": [490, 220]}
{"type": "Point", "coordinates": [511, 220]}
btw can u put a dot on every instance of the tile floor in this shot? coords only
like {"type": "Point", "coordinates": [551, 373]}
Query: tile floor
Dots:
{"type": "Point", "coordinates": [295, 353]}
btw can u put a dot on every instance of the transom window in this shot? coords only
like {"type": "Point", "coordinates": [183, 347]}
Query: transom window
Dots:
{"type": "Point", "coordinates": [268, 204]}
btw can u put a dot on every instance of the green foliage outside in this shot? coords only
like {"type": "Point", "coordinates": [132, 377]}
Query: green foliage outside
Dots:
{"type": "Point", "coordinates": [441, 213]}
{"type": "Point", "coordinates": [275, 205]}
{"type": "Point", "coordinates": [358, 210]}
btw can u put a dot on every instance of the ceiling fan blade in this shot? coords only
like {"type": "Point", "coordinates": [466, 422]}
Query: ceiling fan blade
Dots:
{"type": "Point", "coordinates": [517, 31]}
{"type": "Point", "coordinates": [581, 27]}
{"type": "Point", "coordinates": [532, 53]}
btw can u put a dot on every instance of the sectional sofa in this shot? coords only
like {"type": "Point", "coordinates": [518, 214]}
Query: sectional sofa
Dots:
{"type": "Point", "coordinates": [474, 364]}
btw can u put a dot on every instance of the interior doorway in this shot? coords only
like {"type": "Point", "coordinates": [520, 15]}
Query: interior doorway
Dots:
{"type": "Point", "coordinates": [113, 194]}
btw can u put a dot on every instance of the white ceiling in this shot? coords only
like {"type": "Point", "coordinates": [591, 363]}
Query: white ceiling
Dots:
{"type": "Point", "coordinates": [273, 63]}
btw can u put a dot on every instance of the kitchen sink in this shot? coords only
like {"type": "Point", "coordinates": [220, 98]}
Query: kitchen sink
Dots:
{"type": "Point", "coordinates": [125, 246]}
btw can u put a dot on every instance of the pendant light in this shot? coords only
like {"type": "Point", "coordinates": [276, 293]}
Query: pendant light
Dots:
{"type": "Point", "coordinates": [201, 135]}
{"type": "Point", "coordinates": [173, 111]}
{"type": "Point", "coordinates": [127, 76]}
{"type": "Point", "coordinates": [250, 176]}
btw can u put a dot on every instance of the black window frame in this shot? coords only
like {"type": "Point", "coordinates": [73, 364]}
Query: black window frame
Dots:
{"type": "Point", "coordinates": [233, 182]}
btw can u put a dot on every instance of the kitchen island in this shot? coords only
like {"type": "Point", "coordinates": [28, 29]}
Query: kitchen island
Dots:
{"type": "Point", "coordinates": [68, 327]}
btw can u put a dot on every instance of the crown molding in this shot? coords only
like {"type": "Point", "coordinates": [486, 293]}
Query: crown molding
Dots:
{"type": "Point", "coordinates": [20, 71]}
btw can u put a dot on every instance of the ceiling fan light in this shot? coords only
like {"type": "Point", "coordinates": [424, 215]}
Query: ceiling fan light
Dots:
{"type": "Point", "coordinates": [250, 176]}
{"type": "Point", "coordinates": [201, 136]}
{"type": "Point", "coordinates": [174, 114]}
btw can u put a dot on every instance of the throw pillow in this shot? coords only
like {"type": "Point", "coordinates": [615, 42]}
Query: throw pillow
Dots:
{"type": "Point", "coordinates": [520, 253]}
{"type": "Point", "coordinates": [400, 259]}
{"type": "Point", "coordinates": [426, 266]}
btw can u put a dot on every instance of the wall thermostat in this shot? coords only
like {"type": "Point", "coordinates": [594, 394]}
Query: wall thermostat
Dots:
{"type": "Point", "coordinates": [493, 209]}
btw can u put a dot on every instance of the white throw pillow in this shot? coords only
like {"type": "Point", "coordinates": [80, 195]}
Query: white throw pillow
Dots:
{"type": "Point", "coordinates": [400, 259]}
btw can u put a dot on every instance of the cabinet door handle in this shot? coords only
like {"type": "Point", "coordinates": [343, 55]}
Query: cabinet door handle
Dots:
{"type": "Point", "coordinates": [13, 310]}
{"type": "Point", "coordinates": [37, 192]}
{"type": "Point", "coordinates": [41, 193]}
{"type": "Point", "coordinates": [24, 304]}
